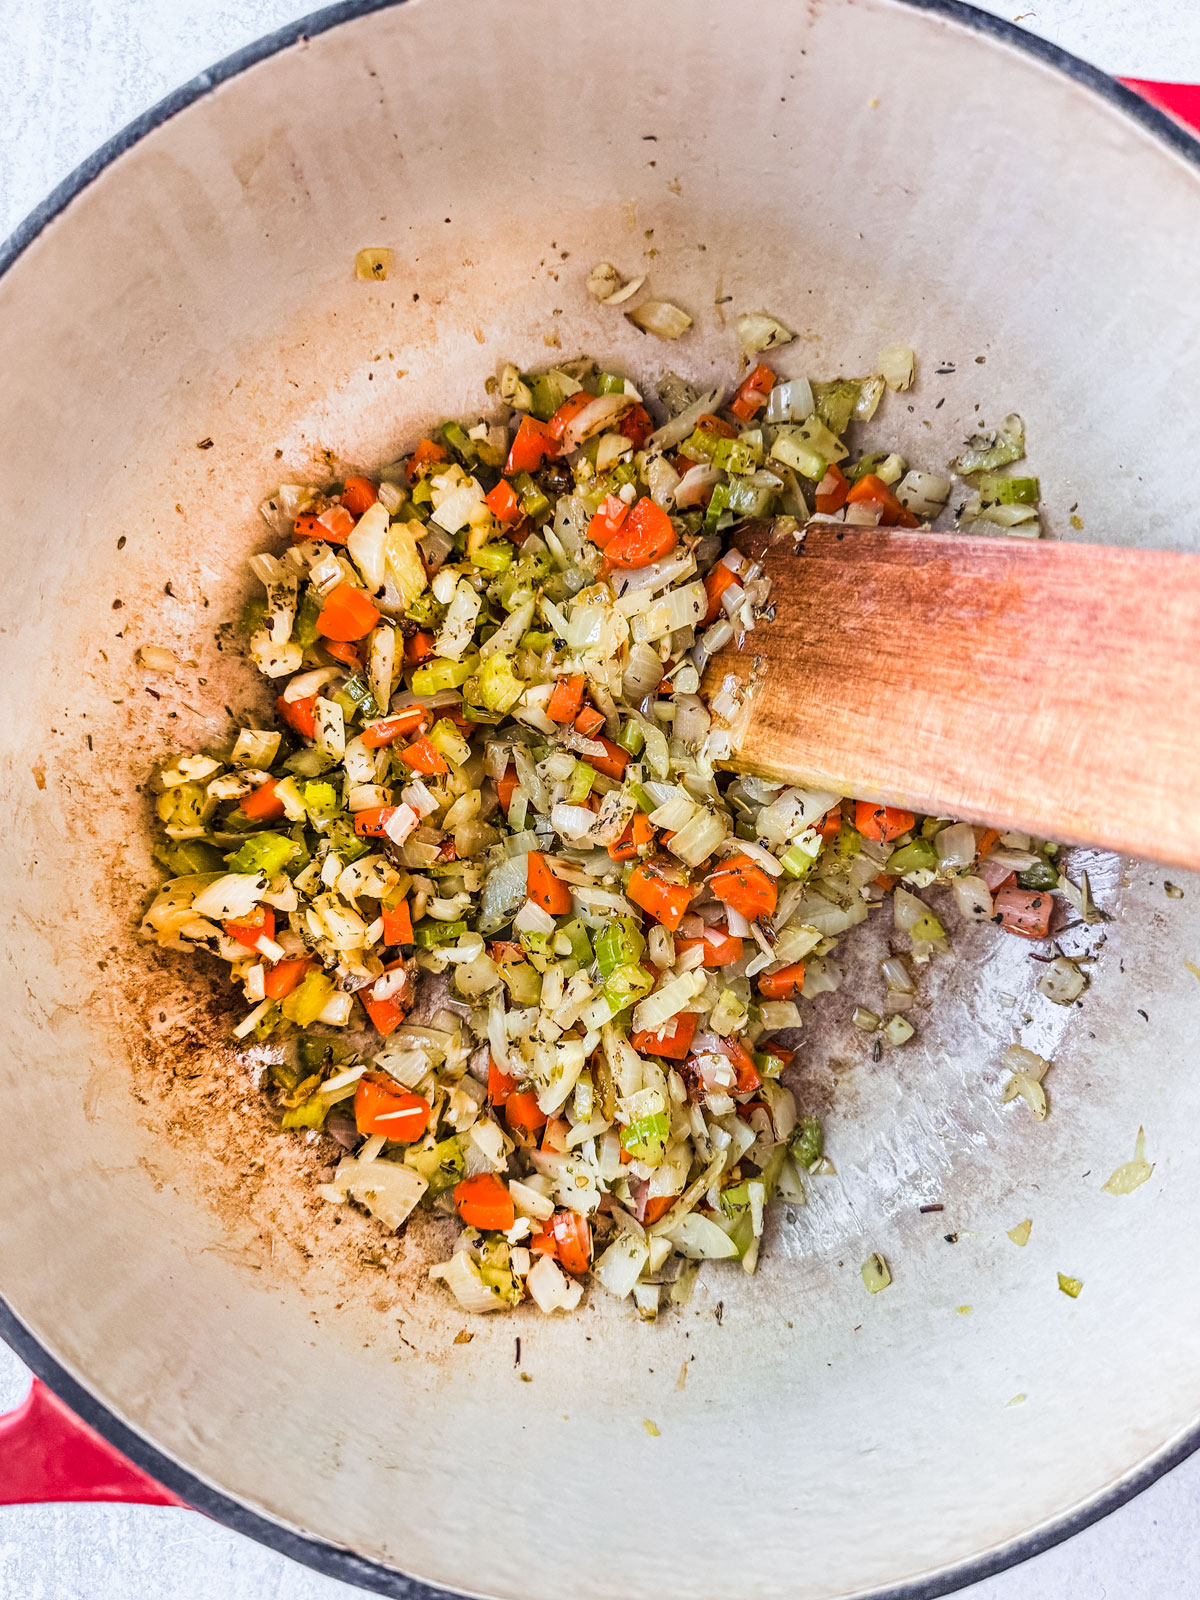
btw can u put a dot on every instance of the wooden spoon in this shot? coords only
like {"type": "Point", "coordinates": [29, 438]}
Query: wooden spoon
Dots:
{"type": "Point", "coordinates": [1050, 687]}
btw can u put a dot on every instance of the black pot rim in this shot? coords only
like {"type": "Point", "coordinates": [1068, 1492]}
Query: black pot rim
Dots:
{"type": "Point", "coordinates": [335, 1560]}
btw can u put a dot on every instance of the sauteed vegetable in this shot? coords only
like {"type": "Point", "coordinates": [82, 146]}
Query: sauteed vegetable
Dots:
{"type": "Point", "coordinates": [503, 925]}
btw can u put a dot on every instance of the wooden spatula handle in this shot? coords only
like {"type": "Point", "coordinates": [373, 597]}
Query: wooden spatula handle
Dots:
{"type": "Point", "coordinates": [1052, 687]}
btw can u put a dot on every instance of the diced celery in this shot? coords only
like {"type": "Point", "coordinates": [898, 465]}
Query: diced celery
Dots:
{"type": "Point", "coordinates": [305, 1004]}
{"type": "Point", "coordinates": [442, 1165]}
{"type": "Point", "coordinates": [796, 861]}
{"type": "Point", "coordinates": [441, 673]}
{"type": "Point", "coordinates": [581, 945]}
{"type": "Point", "coordinates": [356, 699]}
{"type": "Point", "coordinates": [447, 737]}
{"type": "Point", "coordinates": [254, 615]}
{"type": "Point", "coordinates": [429, 935]}
{"type": "Point", "coordinates": [533, 501]}
{"type": "Point", "coordinates": [498, 687]}
{"type": "Point", "coordinates": [898, 1030]}
{"type": "Point", "coordinates": [186, 856]}
{"type": "Point", "coordinates": [927, 927]}
{"type": "Point", "coordinates": [700, 445]}
{"type": "Point", "coordinates": [309, 1114]}
{"type": "Point", "coordinates": [457, 438]}
{"type": "Point", "coordinates": [735, 455]}
{"type": "Point", "coordinates": [344, 842]}
{"type": "Point", "coordinates": [735, 1197]}
{"type": "Point", "coordinates": [321, 801]}
{"type": "Point", "coordinates": [523, 982]}
{"type": "Point", "coordinates": [836, 402]}
{"type": "Point", "coordinates": [496, 556]}
{"type": "Point", "coordinates": [582, 779]}
{"type": "Point", "coordinates": [425, 610]}
{"type": "Point", "coordinates": [848, 843]}
{"type": "Point", "coordinates": [801, 457]}
{"type": "Point", "coordinates": [631, 737]}
{"type": "Point", "coordinates": [641, 798]}
{"type": "Point", "coordinates": [304, 629]}
{"type": "Point", "coordinates": [264, 852]}
{"type": "Point", "coordinates": [808, 1142]}
{"type": "Point", "coordinates": [624, 986]}
{"type": "Point", "coordinates": [918, 856]}
{"type": "Point", "coordinates": [1009, 491]}
{"type": "Point", "coordinates": [619, 943]}
{"type": "Point", "coordinates": [611, 383]}
{"type": "Point", "coordinates": [1041, 876]}
{"type": "Point", "coordinates": [645, 1139]}
{"type": "Point", "coordinates": [718, 504]}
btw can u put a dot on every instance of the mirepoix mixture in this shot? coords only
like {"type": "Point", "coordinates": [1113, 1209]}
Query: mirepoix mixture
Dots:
{"type": "Point", "coordinates": [493, 781]}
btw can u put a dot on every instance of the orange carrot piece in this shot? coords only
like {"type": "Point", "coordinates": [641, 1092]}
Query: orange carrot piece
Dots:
{"type": "Point", "coordinates": [741, 883]}
{"type": "Point", "coordinates": [543, 888]}
{"type": "Point", "coordinates": [883, 823]}
{"type": "Point", "coordinates": [715, 585]}
{"type": "Point", "coordinates": [397, 924]}
{"type": "Point", "coordinates": [672, 1041]}
{"type": "Point", "coordinates": [566, 698]}
{"type": "Point", "coordinates": [646, 535]}
{"type": "Point", "coordinates": [484, 1202]}
{"type": "Point", "coordinates": [263, 804]}
{"type": "Point", "coordinates": [424, 758]}
{"type": "Point", "coordinates": [786, 983]}
{"type": "Point", "coordinates": [358, 495]}
{"type": "Point", "coordinates": [380, 1106]}
{"type": "Point", "coordinates": [657, 895]}
{"type": "Point", "coordinates": [347, 614]}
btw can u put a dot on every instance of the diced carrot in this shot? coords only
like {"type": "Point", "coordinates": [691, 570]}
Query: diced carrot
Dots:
{"type": "Point", "coordinates": [637, 426]}
{"type": "Point", "coordinates": [638, 836]}
{"type": "Point", "coordinates": [249, 930]}
{"type": "Point", "coordinates": [568, 411]}
{"type": "Point", "coordinates": [411, 720]}
{"type": "Point", "coordinates": [345, 653]}
{"type": "Point", "coordinates": [613, 762]}
{"type": "Point", "coordinates": [263, 804]}
{"type": "Point", "coordinates": [418, 647]}
{"type": "Point", "coordinates": [831, 822]}
{"type": "Point", "coordinates": [381, 1106]}
{"type": "Point", "coordinates": [500, 1085]}
{"type": "Point", "coordinates": [785, 983]}
{"type": "Point", "coordinates": [284, 976]}
{"type": "Point", "coordinates": [721, 948]}
{"type": "Point", "coordinates": [715, 585]}
{"type": "Point", "coordinates": [646, 535]}
{"type": "Point", "coordinates": [423, 757]}
{"type": "Point", "coordinates": [741, 883]}
{"type": "Point", "coordinates": [886, 881]}
{"type": "Point", "coordinates": [334, 525]}
{"type": "Point", "coordinates": [986, 840]}
{"type": "Point", "coordinates": [589, 722]}
{"type": "Point", "coordinates": [522, 1111]}
{"type": "Point", "coordinates": [484, 1202]}
{"type": "Point", "coordinates": [506, 785]}
{"type": "Point", "coordinates": [753, 393]}
{"type": "Point", "coordinates": [502, 502]}
{"type": "Point", "coordinates": [605, 525]}
{"type": "Point", "coordinates": [883, 823]}
{"type": "Point", "coordinates": [672, 1041]}
{"type": "Point", "coordinates": [832, 489]}
{"type": "Point", "coordinates": [995, 874]}
{"type": "Point", "coordinates": [566, 698]}
{"type": "Point", "coordinates": [710, 423]}
{"type": "Point", "coordinates": [743, 1064]}
{"type": "Point", "coordinates": [544, 889]}
{"type": "Point", "coordinates": [657, 1205]}
{"type": "Point", "coordinates": [1024, 911]}
{"type": "Point", "coordinates": [873, 489]}
{"type": "Point", "coordinates": [657, 895]}
{"type": "Point", "coordinates": [530, 447]}
{"type": "Point", "coordinates": [570, 1240]}
{"type": "Point", "coordinates": [503, 950]}
{"type": "Point", "coordinates": [358, 495]}
{"type": "Point", "coordinates": [426, 453]}
{"type": "Point", "coordinates": [397, 924]}
{"type": "Point", "coordinates": [371, 824]}
{"type": "Point", "coordinates": [347, 614]}
{"type": "Point", "coordinates": [299, 714]}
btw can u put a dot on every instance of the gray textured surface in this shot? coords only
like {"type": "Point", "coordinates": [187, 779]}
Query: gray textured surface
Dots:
{"type": "Point", "coordinates": [77, 71]}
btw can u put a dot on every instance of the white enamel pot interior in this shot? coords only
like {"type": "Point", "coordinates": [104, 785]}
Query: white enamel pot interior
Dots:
{"type": "Point", "coordinates": [873, 173]}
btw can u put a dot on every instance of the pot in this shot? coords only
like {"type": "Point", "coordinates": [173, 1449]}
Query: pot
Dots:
{"type": "Point", "coordinates": [180, 329]}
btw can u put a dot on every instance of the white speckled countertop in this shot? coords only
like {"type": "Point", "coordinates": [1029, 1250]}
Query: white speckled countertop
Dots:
{"type": "Point", "coordinates": [77, 71]}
